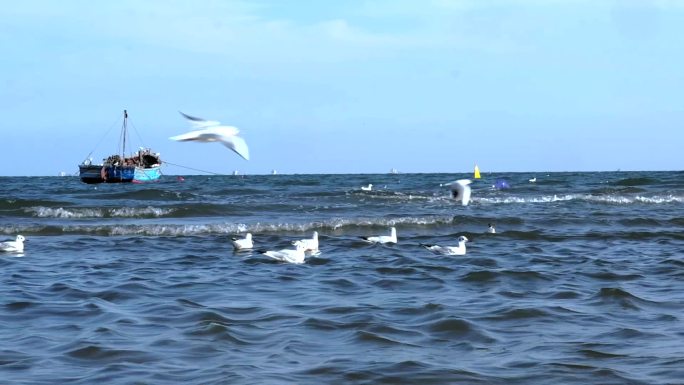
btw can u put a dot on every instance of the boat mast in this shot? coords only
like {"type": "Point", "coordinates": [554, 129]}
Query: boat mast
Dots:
{"type": "Point", "coordinates": [124, 133]}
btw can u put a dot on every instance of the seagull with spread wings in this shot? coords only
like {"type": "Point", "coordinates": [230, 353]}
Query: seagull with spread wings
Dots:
{"type": "Point", "coordinates": [213, 131]}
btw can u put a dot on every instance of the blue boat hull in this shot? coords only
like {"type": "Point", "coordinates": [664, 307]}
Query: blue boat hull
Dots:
{"type": "Point", "coordinates": [147, 174]}
{"type": "Point", "coordinates": [93, 174]}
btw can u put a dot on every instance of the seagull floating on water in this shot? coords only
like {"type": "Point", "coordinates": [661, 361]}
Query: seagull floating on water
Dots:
{"type": "Point", "coordinates": [310, 244]}
{"type": "Point", "coordinates": [243, 243]}
{"type": "Point", "coordinates": [16, 246]}
{"type": "Point", "coordinates": [212, 131]}
{"type": "Point", "coordinates": [392, 238]}
{"type": "Point", "coordinates": [367, 188]}
{"type": "Point", "coordinates": [533, 180]}
{"type": "Point", "coordinates": [491, 229]}
{"type": "Point", "coordinates": [450, 250]}
{"type": "Point", "coordinates": [288, 255]}
{"type": "Point", "coordinates": [460, 189]}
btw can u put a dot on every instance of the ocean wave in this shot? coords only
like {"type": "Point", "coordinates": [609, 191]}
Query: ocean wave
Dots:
{"type": "Point", "coordinates": [636, 182]}
{"type": "Point", "coordinates": [520, 199]}
{"type": "Point", "coordinates": [18, 204]}
{"type": "Point", "coordinates": [146, 194]}
{"type": "Point", "coordinates": [656, 199]}
{"type": "Point", "coordinates": [609, 199]}
{"type": "Point", "coordinates": [120, 212]}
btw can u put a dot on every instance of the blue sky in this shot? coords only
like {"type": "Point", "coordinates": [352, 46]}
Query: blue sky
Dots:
{"type": "Point", "coordinates": [348, 86]}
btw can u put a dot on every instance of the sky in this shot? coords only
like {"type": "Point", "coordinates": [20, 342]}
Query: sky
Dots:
{"type": "Point", "coordinates": [347, 86]}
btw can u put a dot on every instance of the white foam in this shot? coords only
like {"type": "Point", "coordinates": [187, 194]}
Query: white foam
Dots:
{"type": "Point", "coordinates": [613, 199]}
{"type": "Point", "coordinates": [132, 212]}
{"type": "Point", "coordinates": [123, 212]}
{"type": "Point", "coordinates": [60, 212]}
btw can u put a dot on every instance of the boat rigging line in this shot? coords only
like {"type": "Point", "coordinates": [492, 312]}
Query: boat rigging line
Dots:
{"type": "Point", "coordinates": [194, 169]}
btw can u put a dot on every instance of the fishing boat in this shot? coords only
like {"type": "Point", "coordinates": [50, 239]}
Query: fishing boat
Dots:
{"type": "Point", "coordinates": [141, 166]}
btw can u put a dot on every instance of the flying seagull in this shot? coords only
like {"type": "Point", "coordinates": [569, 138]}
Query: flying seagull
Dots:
{"type": "Point", "coordinates": [460, 190]}
{"type": "Point", "coordinates": [213, 131]}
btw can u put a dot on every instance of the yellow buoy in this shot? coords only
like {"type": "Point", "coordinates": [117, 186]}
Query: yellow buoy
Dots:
{"type": "Point", "coordinates": [477, 172]}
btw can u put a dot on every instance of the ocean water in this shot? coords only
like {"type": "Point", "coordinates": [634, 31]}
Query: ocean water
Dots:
{"type": "Point", "coordinates": [139, 284]}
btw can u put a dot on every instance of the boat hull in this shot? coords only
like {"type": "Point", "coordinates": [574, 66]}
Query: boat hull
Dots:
{"type": "Point", "coordinates": [146, 174]}
{"type": "Point", "coordinates": [93, 174]}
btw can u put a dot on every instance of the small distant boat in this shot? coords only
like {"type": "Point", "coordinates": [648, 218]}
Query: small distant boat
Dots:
{"type": "Point", "coordinates": [274, 172]}
{"type": "Point", "coordinates": [142, 166]}
{"type": "Point", "coordinates": [477, 173]}
{"type": "Point", "coordinates": [501, 184]}
{"type": "Point", "coordinates": [394, 171]}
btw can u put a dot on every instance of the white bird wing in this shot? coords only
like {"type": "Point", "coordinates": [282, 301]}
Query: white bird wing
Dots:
{"type": "Point", "coordinates": [227, 135]}
{"type": "Point", "coordinates": [243, 243]}
{"type": "Point", "coordinates": [198, 135]}
{"type": "Point", "coordinates": [306, 244]}
{"type": "Point", "coordinates": [12, 246]}
{"type": "Point", "coordinates": [461, 190]}
{"type": "Point", "coordinates": [199, 122]}
{"type": "Point", "coordinates": [291, 256]}
{"type": "Point", "coordinates": [371, 239]}
{"type": "Point", "coordinates": [236, 144]}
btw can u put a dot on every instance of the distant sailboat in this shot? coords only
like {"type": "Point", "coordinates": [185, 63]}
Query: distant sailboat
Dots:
{"type": "Point", "coordinates": [274, 172]}
{"type": "Point", "coordinates": [477, 173]}
{"type": "Point", "coordinates": [394, 171]}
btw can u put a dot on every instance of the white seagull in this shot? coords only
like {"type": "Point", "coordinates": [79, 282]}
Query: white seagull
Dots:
{"type": "Point", "coordinates": [491, 229]}
{"type": "Point", "coordinates": [533, 180]}
{"type": "Point", "coordinates": [310, 244]}
{"type": "Point", "coordinates": [16, 246]}
{"type": "Point", "coordinates": [367, 188]}
{"type": "Point", "coordinates": [450, 250]}
{"type": "Point", "coordinates": [212, 131]}
{"type": "Point", "coordinates": [460, 189]}
{"type": "Point", "coordinates": [392, 238]}
{"type": "Point", "coordinates": [288, 255]}
{"type": "Point", "coordinates": [243, 243]}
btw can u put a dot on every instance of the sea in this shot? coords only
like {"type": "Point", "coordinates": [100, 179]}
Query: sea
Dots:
{"type": "Point", "coordinates": [582, 283]}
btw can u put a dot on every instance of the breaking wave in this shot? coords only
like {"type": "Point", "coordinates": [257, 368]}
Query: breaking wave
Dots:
{"type": "Point", "coordinates": [114, 212]}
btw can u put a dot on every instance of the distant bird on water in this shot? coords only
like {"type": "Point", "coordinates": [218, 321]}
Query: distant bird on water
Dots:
{"type": "Point", "coordinates": [450, 250]}
{"type": "Point", "coordinates": [212, 131]}
{"type": "Point", "coordinates": [16, 246]}
{"type": "Point", "coordinates": [310, 244]}
{"type": "Point", "coordinates": [392, 238]}
{"type": "Point", "coordinates": [243, 243]}
{"type": "Point", "coordinates": [296, 256]}
{"type": "Point", "coordinates": [367, 188]}
{"type": "Point", "coordinates": [491, 229]}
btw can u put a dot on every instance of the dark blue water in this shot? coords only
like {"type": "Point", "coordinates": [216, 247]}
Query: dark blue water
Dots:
{"type": "Point", "coordinates": [123, 284]}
